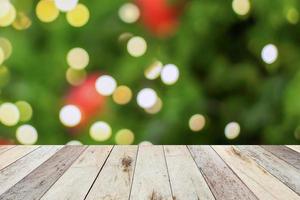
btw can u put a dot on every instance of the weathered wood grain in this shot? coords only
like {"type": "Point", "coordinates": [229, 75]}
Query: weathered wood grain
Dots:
{"type": "Point", "coordinates": [35, 184]}
{"type": "Point", "coordinates": [262, 183]}
{"type": "Point", "coordinates": [76, 181]}
{"type": "Point", "coordinates": [294, 147]}
{"type": "Point", "coordinates": [280, 169]}
{"type": "Point", "coordinates": [4, 148]}
{"type": "Point", "coordinates": [284, 153]}
{"type": "Point", "coordinates": [222, 181]}
{"type": "Point", "coordinates": [187, 183]}
{"type": "Point", "coordinates": [13, 154]}
{"type": "Point", "coordinates": [151, 179]}
{"type": "Point", "coordinates": [115, 179]}
{"type": "Point", "coordinates": [22, 167]}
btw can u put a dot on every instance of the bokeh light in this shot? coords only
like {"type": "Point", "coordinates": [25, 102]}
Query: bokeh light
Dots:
{"type": "Point", "coordinates": [156, 107]}
{"type": "Point", "coordinates": [75, 77]}
{"type": "Point", "coordinates": [232, 130]}
{"type": "Point", "coordinates": [78, 58]}
{"type": "Point", "coordinates": [4, 7]}
{"type": "Point", "coordinates": [25, 110]}
{"type": "Point", "coordinates": [27, 134]}
{"type": "Point", "coordinates": [146, 98]}
{"type": "Point", "coordinates": [129, 13]}
{"type": "Point", "coordinates": [292, 16]}
{"type": "Point", "coordinates": [169, 74]}
{"type": "Point", "coordinates": [22, 21]}
{"type": "Point", "coordinates": [2, 56]}
{"type": "Point", "coordinates": [136, 46]}
{"type": "Point", "coordinates": [74, 142]}
{"type": "Point", "coordinates": [9, 114]}
{"type": "Point", "coordinates": [124, 137]}
{"type": "Point", "coordinates": [4, 76]}
{"type": "Point", "coordinates": [122, 95]}
{"type": "Point", "coordinates": [106, 85]}
{"type": "Point", "coordinates": [269, 53]}
{"type": "Point", "coordinates": [9, 17]}
{"type": "Point", "coordinates": [66, 5]}
{"type": "Point", "coordinates": [6, 47]}
{"type": "Point", "coordinates": [79, 16]}
{"type": "Point", "coordinates": [46, 11]}
{"type": "Point", "coordinates": [154, 70]}
{"type": "Point", "coordinates": [197, 122]}
{"type": "Point", "coordinates": [70, 115]}
{"type": "Point", "coordinates": [100, 131]}
{"type": "Point", "coordinates": [241, 7]}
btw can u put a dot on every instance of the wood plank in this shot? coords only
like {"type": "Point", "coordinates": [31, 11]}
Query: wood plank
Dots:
{"type": "Point", "coordinates": [151, 177]}
{"type": "Point", "coordinates": [294, 147]}
{"type": "Point", "coordinates": [19, 169]}
{"type": "Point", "coordinates": [284, 153]}
{"type": "Point", "coordinates": [76, 181]}
{"type": "Point", "coordinates": [185, 177]}
{"type": "Point", "coordinates": [35, 184]}
{"type": "Point", "coordinates": [262, 183]}
{"type": "Point", "coordinates": [115, 179]}
{"type": "Point", "coordinates": [13, 154]}
{"type": "Point", "coordinates": [4, 148]}
{"type": "Point", "coordinates": [289, 175]}
{"type": "Point", "coordinates": [222, 181]}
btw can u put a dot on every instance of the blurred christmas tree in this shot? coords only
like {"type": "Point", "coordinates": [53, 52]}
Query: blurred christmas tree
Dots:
{"type": "Point", "coordinates": [159, 71]}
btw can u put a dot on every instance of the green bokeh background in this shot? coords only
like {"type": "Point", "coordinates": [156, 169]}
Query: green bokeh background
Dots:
{"type": "Point", "coordinates": [222, 75]}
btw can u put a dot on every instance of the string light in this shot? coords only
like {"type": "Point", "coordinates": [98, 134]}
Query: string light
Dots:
{"type": "Point", "coordinates": [70, 115]}
{"type": "Point", "coordinates": [79, 16]}
{"type": "Point", "coordinates": [25, 110]}
{"type": "Point", "coordinates": [197, 122]}
{"type": "Point", "coordinates": [9, 18]}
{"type": "Point", "coordinates": [106, 85]}
{"type": "Point", "coordinates": [169, 74]}
{"type": "Point", "coordinates": [75, 77]}
{"type": "Point", "coordinates": [146, 98]}
{"type": "Point", "coordinates": [232, 130]}
{"type": "Point", "coordinates": [269, 53]}
{"type": "Point", "coordinates": [100, 131]}
{"type": "Point", "coordinates": [241, 7]}
{"type": "Point", "coordinates": [78, 58]}
{"type": "Point", "coordinates": [74, 142]}
{"type": "Point", "coordinates": [66, 5]}
{"type": "Point", "coordinates": [27, 134]}
{"type": "Point", "coordinates": [9, 114]}
{"type": "Point", "coordinates": [124, 137]}
{"type": "Point", "coordinates": [122, 95]}
{"type": "Point", "coordinates": [136, 46]}
{"type": "Point", "coordinates": [154, 70]}
{"type": "Point", "coordinates": [129, 13]}
{"type": "Point", "coordinates": [156, 107]}
{"type": "Point", "coordinates": [46, 11]}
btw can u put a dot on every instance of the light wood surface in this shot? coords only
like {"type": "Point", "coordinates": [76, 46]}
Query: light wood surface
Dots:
{"type": "Point", "coordinates": [149, 172]}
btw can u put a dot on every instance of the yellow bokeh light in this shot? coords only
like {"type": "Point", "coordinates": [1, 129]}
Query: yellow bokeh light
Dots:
{"type": "Point", "coordinates": [79, 16]}
{"type": "Point", "coordinates": [9, 114]}
{"type": "Point", "coordinates": [232, 130]}
{"type": "Point", "coordinates": [9, 18]}
{"type": "Point", "coordinates": [46, 11]}
{"type": "Point", "coordinates": [292, 16]}
{"type": "Point", "coordinates": [78, 58]}
{"type": "Point", "coordinates": [197, 122]}
{"type": "Point", "coordinates": [74, 142]}
{"type": "Point", "coordinates": [241, 7]}
{"type": "Point", "coordinates": [100, 131]}
{"type": "Point", "coordinates": [75, 77]}
{"type": "Point", "coordinates": [4, 7]}
{"type": "Point", "coordinates": [156, 107]}
{"type": "Point", "coordinates": [137, 46]}
{"type": "Point", "coordinates": [21, 22]}
{"type": "Point", "coordinates": [6, 47]}
{"type": "Point", "coordinates": [4, 76]}
{"type": "Point", "coordinates": [124, 137]}
{"type": "Point", "coordinates": [2, 56]}
{"type": "Point", "coordinates": [25, 110]}
{"type": "Point", "coordinates": [122, 95]}
{"type": "Point", "coordinates": [153, 71]}
{"type": "Point", "coordinates": [129, 13]}
{"type": "Point", "coordinates": [27, 134]}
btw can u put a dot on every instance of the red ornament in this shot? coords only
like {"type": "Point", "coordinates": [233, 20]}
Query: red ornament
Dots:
{"type": "Point", "coordinates": [160, 16]}
{"type": "Point", "coordinates": [86, 98]}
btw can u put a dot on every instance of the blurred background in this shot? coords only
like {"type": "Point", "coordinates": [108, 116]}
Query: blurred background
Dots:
{"type": "Point", "coordinates": [149, 71]}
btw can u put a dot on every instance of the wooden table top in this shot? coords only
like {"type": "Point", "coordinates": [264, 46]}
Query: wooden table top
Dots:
{"type": "Point", "coordinates": [149, 172]}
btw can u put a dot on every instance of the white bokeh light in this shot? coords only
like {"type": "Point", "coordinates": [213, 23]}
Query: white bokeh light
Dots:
{"type": "Point", "coordinates": [136, 46]}
{"type": "Point", "coordinates": [241, 7]}
{"type": "Point", "coordinates": [106, 85]}
{"type": "Point", "coordinates": [4, 7]}
{"type": "Point", "coordinates": [70, 115]}
{"type": "Point", "coordinates": [169, 74]}
{"type": "Point", "coordinates": [66, 5]}
{"type": "Point", "coordinates": [146, 98]}
{"type": "Point", "coordinates": [232, 130]}
{"type": "Point", "coordinates": [269, 53]}
{"type": "Point", "coordinates": [129, 13]}
{"type": "Point", "coordinates": [154, 70]}
{"type": "Point", "coordinates": [100, 131]}
{"type": "Point", "coordinates": [74, 142]}
{"type": "Point", "coordinates": [27, 134]}
{"type": "Point", "coordinates": [9, 114]}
